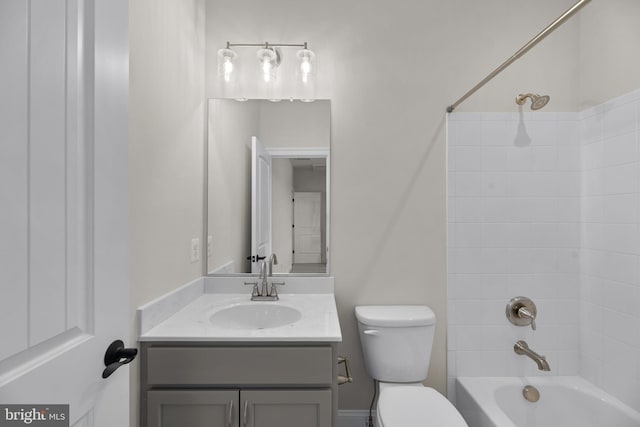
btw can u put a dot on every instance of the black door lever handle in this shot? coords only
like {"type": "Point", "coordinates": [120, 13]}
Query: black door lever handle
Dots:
{"type": "Point", "coordinates": [116, 356]}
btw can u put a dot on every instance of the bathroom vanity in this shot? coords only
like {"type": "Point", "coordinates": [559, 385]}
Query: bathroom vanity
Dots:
{"type": "Point", "coordinates": [199, 384]}
{"type": "Point", "coordinates": [222, 360]}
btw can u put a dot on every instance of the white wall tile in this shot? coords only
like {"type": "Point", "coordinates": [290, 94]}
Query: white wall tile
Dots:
{"type": "Point", "coordinates": [475, 286]}
{"type": "Point", "coordinates": [593, 155]}
{"type": "Point", "coordinates": [591, 128]}
{"type": "Point", "coordinates": [520, 159]}
{"type": "Point", "coordinates": [495, 184]}
{"type": "Point", "coordinates": [620, 208]}
{"type": "Point", "coordinates": [495, 159]}
{"type": "Point", "coordinates": [493, 133]}
{"type": "Point", "coordinates": [568, 133]}
{"type": "Point", "coordinates": [566, 363]}
{"type": "Point", "coordinates": [466, 184]}
{"type": "Point", "coordinates": [468, 209]}
{"type": "Point", "coordinates": [529, 224]}
{"type": "Point", "coordinates": [474, 312]}
{"type": "Point", "coordinates": [542, 132]}
{"type": "Point", "coordinates": [624, 238]}
{"type": "Point", "coordinates": [545, 158]}
{"type": "Point", "coordinates": [467, 133]}
{"type": "Point", "coordinates": [620, 326]}
{"type": "Point", "coordinates": [569, 158]}
{"type": "Point", "coordinates": [471, 337]}
{"type": "Point", "coordinates": [620, 120]}
{"type": "Point", "coordinates": [556, 217]}
{"type": "Point", "coordinates": [620, 150]}
{"type": "Point", "coordinates": [468, 158]}
{"type": "Point", "coordinates": [621, 179]}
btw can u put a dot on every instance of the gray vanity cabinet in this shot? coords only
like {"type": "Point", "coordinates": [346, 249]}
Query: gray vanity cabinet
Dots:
{"type": "Point", "coordinates": [193, 408]}
{"type": "Point", "coordinates": [278, 408]}
{"type": "Point", "coordinates": [263, 385]}
{"type": "Point", "coordinates": [250, 408]}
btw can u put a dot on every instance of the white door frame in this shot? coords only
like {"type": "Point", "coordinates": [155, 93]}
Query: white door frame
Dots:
{"type": "Point", "coordinates": [312, 153]}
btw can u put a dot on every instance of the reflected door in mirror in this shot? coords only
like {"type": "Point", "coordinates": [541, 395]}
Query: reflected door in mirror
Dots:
{"type": "Point", "coordinates": [260, 204]}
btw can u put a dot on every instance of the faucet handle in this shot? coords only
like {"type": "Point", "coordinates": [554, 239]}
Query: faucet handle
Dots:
{"type": "Point", "coordinates": [521, 311]}
{"type": "Point", "coordinates": [274, 290]}
{"type": "Point", "coordinates": [524, 313]}
{"type": "Point", "coordinates": [254, 291]}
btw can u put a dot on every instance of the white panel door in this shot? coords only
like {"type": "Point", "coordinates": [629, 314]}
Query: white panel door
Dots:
{"type": "Point", "coordinates": [260, 203]}
{"type": "Point", "coordinates": [63, 215]}
{"type": "Point", "coordinates": [307, 239]}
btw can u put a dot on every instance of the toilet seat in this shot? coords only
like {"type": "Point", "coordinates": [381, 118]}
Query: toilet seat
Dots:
{"type": "Point", "coordinates": [416, 407]}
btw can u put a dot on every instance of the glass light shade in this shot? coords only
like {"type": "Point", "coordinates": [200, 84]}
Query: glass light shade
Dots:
{"type": "Point", "coordinates": [306, 75]}
{"type": "Point", "coordinates": [307, 67]}
{"type": "Point", "coordinates": [226, 66]}
{"type": "Point", "coordinates": [268, 63]}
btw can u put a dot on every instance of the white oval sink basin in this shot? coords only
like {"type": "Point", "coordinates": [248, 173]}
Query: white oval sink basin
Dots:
{"type": "Point", "coordinates": [255, 316]}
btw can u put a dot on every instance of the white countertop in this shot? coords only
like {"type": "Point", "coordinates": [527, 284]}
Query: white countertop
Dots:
{"type": "Point", "coordinates": [319, 322]}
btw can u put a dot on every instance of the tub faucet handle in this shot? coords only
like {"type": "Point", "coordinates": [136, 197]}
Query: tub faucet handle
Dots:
{"type": "Point", "coordinates": [526, 314]}
{"type": "Point", "coordinates": [521, 311]}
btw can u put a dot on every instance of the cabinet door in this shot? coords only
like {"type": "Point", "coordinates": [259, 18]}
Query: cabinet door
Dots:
{"type": "Point", "coordinates": [285, 408]}
{"type": "Point", "coordinates": [192, 408]}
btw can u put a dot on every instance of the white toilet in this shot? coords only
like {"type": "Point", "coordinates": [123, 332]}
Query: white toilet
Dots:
{"type": "Point", "coordinates": [396, 342]}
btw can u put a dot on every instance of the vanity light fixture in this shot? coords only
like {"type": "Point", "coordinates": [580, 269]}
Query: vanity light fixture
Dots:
{"type": "Point", "coordinates": [269, 57]}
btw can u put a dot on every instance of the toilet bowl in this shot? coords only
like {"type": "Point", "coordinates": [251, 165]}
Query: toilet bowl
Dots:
{"type": "Point", "coordinates": [415, 406]}
{"type": "Point", "coordinates": [396, 342]}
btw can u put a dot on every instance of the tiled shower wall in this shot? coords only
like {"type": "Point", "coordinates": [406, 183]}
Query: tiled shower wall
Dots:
{"type": "Point", "coordinates": [514, 229]}
{"type": "Point", "coordinates": [610, 258]}
{"type": "Point", "coordinates": [546, 205]}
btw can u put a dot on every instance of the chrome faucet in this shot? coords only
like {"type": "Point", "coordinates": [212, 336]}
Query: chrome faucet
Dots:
{"type": "Point", "coordinates": [261, 290]}
{"type": "Point", "coordinates": [521, 347]}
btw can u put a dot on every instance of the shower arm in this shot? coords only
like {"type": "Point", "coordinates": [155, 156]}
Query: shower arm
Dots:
{"type": "Point", "coordinates": [524, 49]}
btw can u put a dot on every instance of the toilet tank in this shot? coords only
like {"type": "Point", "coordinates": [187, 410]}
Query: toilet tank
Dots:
{"type": "Point", "coordinates": [396, 341]}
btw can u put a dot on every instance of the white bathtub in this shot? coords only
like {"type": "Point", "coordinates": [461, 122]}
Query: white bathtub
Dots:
{"type": "Point", "coordinates": [564, 402]}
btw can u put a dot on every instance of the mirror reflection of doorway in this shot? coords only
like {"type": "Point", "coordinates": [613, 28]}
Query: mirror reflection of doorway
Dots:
{"type": "Point", "coordinates": [299, 209]}
{"type": "Point", "coordinates": [299, 219]}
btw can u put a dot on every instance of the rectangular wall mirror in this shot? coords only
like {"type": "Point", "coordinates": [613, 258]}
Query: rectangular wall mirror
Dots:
{"type": "Point", "coordinates": [268, 186]}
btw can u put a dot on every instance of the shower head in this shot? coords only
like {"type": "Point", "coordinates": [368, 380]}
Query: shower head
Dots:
{"type": "Point", "coordinates": [537, 101]}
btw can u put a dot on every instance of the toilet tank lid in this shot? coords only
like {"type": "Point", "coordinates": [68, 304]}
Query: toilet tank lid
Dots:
{"type": "Point", "coordinates": [395, 315]}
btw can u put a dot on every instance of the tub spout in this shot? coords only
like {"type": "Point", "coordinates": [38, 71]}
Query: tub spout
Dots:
{"type": "Point", "coordinates": [521, 347]}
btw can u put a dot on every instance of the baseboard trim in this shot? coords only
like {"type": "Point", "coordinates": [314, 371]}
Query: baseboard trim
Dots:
{"type": "Point", "coordinates": [354, 418]}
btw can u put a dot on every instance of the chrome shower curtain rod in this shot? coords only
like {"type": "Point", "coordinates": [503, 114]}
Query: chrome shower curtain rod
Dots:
{"type": "Point", "coordinates": [524, 49]}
